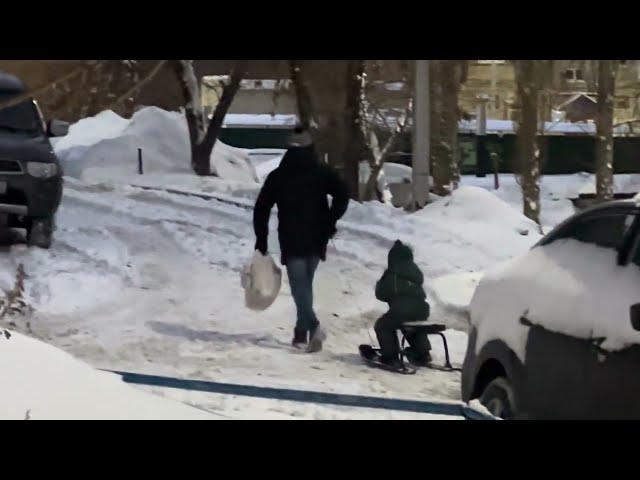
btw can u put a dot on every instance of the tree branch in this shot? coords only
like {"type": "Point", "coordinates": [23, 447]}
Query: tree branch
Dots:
{"type": "Point", "coordinates": [141, 83]}
{"type": "Point", "coordinates": [40, 90]}
{"type": "Point", "coordinates": [228, 94]}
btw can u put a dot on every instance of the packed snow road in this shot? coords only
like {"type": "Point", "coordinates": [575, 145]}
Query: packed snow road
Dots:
{"type": "Point", "coordinates": [148, 282]}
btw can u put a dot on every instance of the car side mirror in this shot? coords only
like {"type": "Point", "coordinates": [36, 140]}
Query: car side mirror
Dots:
{"type": "Point", "coordinates": [634, 313]}
{"type": "Point", "coordinates": [57, 128]}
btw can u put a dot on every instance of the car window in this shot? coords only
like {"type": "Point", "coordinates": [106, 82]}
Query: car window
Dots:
{"type": "Point", "coordinates": [22, 117]}
{"type": "Point", "coordinates": [605, 231]}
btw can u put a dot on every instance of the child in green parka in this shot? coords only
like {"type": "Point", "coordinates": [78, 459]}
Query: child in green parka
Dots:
{"type": "Point", "coordinates": [401, 288]}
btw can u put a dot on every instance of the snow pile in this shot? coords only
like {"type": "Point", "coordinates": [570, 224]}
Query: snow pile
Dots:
{"type": "Point", "coordinates": [566, 287]}
{"type": "Point", "coordinates": [466, 232]}
{"type": "Point", "coordinates": [391, 173]}
{"type": "Point", "coordinates": [91, 130]}
{"type": "Point", "coordinates": [105, 149]}
{"type": "Point", "coordinates": [265, 168]}
{"type": "Point", "coordinates": [555, 193]}
{"type": "Point", "coordinates": [478, 407]}
{"type": "Point", "coordinates": [261, 155]}
{"type": "Point", "coordinates": [41, 382]}
{"type": "Point", "coordinates": [473, 204]}
{"type": "Point", "coordinates": [456, 290]}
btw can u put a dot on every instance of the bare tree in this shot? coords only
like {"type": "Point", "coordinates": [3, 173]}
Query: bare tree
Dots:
{"type": "Point", "coordinates": [303, 99]}
{"type": "Point", "coordinates": [353, 142]}
{"type": "Point", "coordinates": [203, 136]}
{"type": "Point", "coordinates": [446, 79]}
{"type": "Point", "coordinates": [532, 76]}
{"type": "Point", "coordinates": [607, 70]}
{"type": "Point", "coordinates": [375, 122]}
{"type": "Point", "coordinates": [335, 130]}
{"type": "Point", "coordinates": [125, 101]}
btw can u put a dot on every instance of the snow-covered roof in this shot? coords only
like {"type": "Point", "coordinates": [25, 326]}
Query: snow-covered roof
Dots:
{"type": "Point", "coordinates": [550, 128]}
{"type": "Point", "coordinates": [268, 84]}
{"type": "Point", "coordinates": [249, 120]}
{"type": "Point", "coordinates": [573, 98]}
{"type": "Point", "coordinates": [504, 127]}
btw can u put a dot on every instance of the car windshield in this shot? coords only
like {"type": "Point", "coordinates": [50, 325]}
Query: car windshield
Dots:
{"type": "Point", "coordinates": [22, 117]}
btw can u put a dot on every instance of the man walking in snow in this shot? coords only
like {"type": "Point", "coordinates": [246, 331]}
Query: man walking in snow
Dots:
{"type": "Point", "coordinates": [306, 223]}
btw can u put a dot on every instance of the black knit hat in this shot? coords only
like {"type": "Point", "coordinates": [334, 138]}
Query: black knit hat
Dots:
{"type": "Point", "coordinates": [300, 137]}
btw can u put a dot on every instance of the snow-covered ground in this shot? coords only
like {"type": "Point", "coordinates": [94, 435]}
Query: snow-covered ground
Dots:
{"type": "Point", "coordinates": [148, 281]}
{"type": "Point", "coordinates": [42, 382]}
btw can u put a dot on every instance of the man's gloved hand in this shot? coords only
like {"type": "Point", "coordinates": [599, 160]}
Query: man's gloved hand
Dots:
{"type": "Point", "coordinates": [261, 246]}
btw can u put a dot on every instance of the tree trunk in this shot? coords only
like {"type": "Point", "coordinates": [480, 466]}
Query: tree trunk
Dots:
{"type": "Point", "coordinates": [604, 129]}
{"type": "Point", "coordinates": [303, 100]}
{"type": "Point", "coordinates": [376, 160]}
{"type": "Point", "coordinates": [202, 164]}
{"type": "Point", "coordinates": [354, 144]}
{"type": "Point", "coordinates": [202, 141]}
{"type": "Point", "coordinates": [371, 190]}
{"type": "Point", "coordinates": [528, 88]}
{"type": "Point", "coordinates": [445, 83]}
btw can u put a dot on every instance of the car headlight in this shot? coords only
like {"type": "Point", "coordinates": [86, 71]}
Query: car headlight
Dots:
{"type": "Point", "coordinates": [42, 170]}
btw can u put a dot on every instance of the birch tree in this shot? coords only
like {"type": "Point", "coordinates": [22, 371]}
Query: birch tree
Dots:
{"type": "Point", "coordinates": [376, 123]}
{"type": "Point", "coordinates": [528, 153]}
{"type": "Point", "coordinates": [607, 70]}
{"type": "Point", "coordinates": [531, 77]}
{"type": "Point", "coordinates": [203, 135]}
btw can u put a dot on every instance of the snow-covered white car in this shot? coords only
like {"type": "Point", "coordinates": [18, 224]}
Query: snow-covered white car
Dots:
{"type": "Point", "coordinates": [555, 334]}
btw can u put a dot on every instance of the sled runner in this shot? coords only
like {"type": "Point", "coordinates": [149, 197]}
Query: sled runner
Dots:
{"type": "Point", "coordinates": [371, 355]}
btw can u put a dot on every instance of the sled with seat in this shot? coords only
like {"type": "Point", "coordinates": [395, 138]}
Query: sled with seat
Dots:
{"type": "Point", "coordinates": [371, 354]}
{"type": "Point", "coordinates": [428, 329]}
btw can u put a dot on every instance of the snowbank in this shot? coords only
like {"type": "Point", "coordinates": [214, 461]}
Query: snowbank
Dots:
{"type": "Point", "coordinates": [391, 173]}
{"type": "Point", "coordinates": [473, 204]}
{"type": "Point", "coordinates": [44, 383]}
{"type": "Point", "coordinates": [455, 291]}
{"type": "Point", "coordinates": [566, 287]}
{"type": "Point", "coordinates": [91, 130]}
{"type": "Point", "coordinates": [265, 168]}
{"type": "Point", "coordinates": [105, 148]}
{"type": "Point", "coordinates": [555, 192]}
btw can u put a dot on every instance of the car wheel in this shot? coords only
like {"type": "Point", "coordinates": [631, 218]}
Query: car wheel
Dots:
{"type": "Point", "coordinates": [40, 232]}
{"type": "Point", "coordinates": [499, 399]}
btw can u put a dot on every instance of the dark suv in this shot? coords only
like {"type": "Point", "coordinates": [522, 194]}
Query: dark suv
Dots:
{"type": "Point", "coordinates": [555, 334]}
{"type": "Point", "coordinates": [30, 173]}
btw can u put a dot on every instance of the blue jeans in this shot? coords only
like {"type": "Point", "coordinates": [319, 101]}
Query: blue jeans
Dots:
{"type": "Point", "coordinates": [301, 272]}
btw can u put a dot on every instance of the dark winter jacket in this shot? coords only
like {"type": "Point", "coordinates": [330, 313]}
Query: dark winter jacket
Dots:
{"type": "Point", "coordinates": [401, 285]}
{"type": "Point", "coordinates": [299, 187]}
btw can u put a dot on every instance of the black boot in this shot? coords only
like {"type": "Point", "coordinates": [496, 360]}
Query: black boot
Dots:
{"type": "Point", "coordinates": [316, 337]}
{"type": "Point", "coordinates": [299, 338]}
{"type": "Point", "coordinates": [393, 362]}
{"type": "Point", "coordinates": [421, 360]}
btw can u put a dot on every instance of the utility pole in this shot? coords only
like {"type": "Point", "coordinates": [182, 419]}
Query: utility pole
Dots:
{"type": "Point", "coordinates": [494, 90]}
{"type": "Point", "coordinates": [421, 136]}
{"type": "Point", "coordinates": [482, 156]}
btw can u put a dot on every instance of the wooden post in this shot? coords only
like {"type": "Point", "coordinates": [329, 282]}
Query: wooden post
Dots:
{"type": "Point", "coordinates": [140, 170]}
{"type": "Point", "coordinates": [496, 170]}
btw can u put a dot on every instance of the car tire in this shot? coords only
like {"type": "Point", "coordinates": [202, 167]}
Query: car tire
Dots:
{"type": "Point", "coordinates": [40, 232]}
{"type": "Point", "coordinates": [499, 399]}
